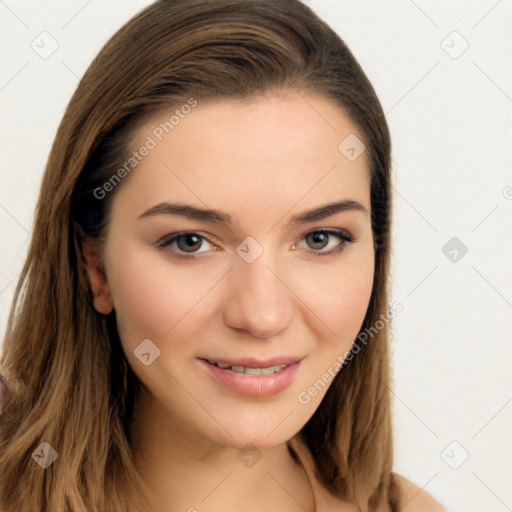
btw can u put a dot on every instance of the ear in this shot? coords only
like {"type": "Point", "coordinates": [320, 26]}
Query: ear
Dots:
{"type": "Point", "coordinates": [97, 279]}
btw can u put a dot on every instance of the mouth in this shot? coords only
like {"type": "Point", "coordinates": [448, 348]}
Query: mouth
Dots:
{"type": "Point", "coordinates": [251, 366]}
{"type": "Point", "coordinates": [253, 377]}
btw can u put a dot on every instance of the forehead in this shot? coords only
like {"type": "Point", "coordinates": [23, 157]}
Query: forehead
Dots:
{"type": "Point", "coordinates": [273, 151]}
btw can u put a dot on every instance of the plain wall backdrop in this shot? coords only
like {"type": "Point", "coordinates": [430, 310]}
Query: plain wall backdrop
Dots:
{"type": "Point", "coordinates": [442, 71]}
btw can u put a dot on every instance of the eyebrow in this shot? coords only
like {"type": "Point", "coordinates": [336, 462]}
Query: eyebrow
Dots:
{"type": "Point", "coordinates": [219, 217]}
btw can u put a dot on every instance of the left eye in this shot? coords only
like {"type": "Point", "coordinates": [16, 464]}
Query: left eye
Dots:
{"type": "Point", "coordinates": [187, 243]}
{"type": "Point", "coordinates": [320, 240]}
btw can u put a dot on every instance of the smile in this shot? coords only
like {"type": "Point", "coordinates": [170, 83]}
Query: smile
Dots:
{"type": "Point", "coordinates": [249, 370]}
{"type": "Point", "coordinates": [252, 378]}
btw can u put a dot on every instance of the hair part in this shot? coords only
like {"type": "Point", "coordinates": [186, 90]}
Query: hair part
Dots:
{"type": "Point", "coordinates": [73, 386]}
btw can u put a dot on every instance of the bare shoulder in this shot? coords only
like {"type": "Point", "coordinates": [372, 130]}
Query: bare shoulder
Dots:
{"type": "Point", "coordinates": [416, 499]}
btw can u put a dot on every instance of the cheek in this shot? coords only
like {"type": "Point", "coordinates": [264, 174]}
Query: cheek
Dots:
{"type": "Point", "coordinates": [160, 300]}
{"type": "Point", "coordinates": [145, 309]}
{"type": "Point", "coordinates": [351, 302]}
{"type": "Point", "coordinates": [338, 297]}
{"type": "Point", "coordinates": [149, 298]}
{"type": "Point", "coordinates": [341, 304]}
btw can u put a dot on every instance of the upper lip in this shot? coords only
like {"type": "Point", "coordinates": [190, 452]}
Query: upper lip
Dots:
{"type": "Point", "coordinates": [252, 362]}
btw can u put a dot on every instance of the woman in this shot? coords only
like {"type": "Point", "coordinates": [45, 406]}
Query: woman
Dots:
{"type": "Point", "coordinates": [211, 239]}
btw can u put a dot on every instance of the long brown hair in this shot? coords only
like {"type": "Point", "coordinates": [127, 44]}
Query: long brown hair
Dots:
{"type": "Point", "coordinates": [73, 387]}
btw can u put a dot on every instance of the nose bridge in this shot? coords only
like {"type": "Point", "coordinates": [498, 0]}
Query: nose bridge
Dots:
{"type": "Point", "coordinates": [260, 303]}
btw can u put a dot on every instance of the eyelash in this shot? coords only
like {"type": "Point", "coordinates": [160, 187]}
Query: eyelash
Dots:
{"type": "Point", "coordinates": [343, 235]}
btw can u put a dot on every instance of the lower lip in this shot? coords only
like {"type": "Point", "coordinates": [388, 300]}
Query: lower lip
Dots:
{"type": "Point", "coordinates": [253, 385]}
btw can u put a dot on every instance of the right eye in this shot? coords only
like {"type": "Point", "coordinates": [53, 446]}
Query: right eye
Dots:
{"type": "Point", "coordinates": [185, 243]}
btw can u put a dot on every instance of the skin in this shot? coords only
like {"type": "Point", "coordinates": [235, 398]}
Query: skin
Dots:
{"type": "Point", "coordinates": [261, 161]}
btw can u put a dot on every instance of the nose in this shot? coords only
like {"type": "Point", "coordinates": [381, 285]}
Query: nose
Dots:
{"type": "Point", "coordinates": [259, 302]}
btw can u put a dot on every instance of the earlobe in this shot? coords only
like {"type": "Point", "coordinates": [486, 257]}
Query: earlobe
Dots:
{"type": "Point", "coordinates": [103, 305]}
{"type": "Point", "coordinates": [94, 267]}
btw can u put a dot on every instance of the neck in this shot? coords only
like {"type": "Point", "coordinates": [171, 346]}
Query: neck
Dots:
{"type": "Point", "coordinates": [185, 471]}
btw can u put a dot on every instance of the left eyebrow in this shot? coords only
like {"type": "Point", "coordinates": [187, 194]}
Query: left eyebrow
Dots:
{"type": "Point", "coordinates": [325, 211]}
{"type": "Point", "coordinates": [220, 217]}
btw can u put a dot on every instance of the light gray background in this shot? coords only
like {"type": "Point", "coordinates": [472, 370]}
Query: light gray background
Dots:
{"type": "Point", "coordinates": [450, 117]}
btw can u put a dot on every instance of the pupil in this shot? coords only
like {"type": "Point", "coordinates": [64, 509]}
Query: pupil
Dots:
{"type": "Point", "coordinates": [188, 238]}
{"type": "Point", "coordinates": [319, 238]}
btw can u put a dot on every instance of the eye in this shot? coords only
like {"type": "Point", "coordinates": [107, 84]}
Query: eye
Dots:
{"type": "Point", "coordinates": [187, 243]}
{"type": "Point", "coordinates": [319, 240]}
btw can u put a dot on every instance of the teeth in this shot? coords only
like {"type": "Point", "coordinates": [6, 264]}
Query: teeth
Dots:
{"type": "Point", "coordinates": [250, 371]}
{"type": "Point", "coordinates": [257, 371]}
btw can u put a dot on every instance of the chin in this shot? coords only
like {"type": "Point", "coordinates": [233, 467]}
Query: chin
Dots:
{"type": "Point", "coordinates": [255, 440]}
{"type": "Point", "coordinates": [259, 429]}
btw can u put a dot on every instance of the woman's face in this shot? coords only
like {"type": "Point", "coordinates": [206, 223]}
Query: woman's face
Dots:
{"type": "Point", "coordinates": [250, 287]}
